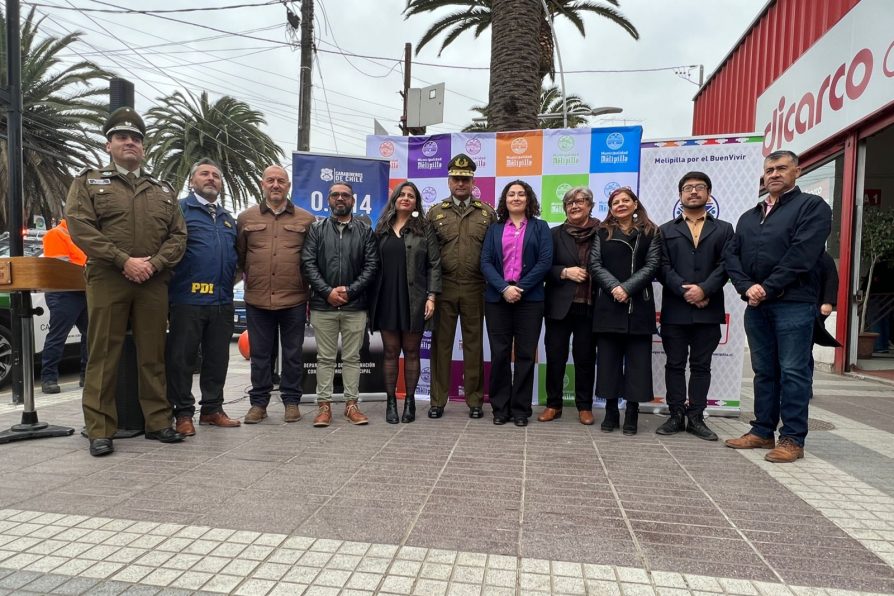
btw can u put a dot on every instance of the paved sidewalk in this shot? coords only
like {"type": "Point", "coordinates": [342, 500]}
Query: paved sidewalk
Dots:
{"type": "Point", "coordinates": [454, 506]}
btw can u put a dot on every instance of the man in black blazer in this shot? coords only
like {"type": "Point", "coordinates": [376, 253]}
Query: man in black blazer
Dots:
{"type": "Point", "coordinates": [692, 309]}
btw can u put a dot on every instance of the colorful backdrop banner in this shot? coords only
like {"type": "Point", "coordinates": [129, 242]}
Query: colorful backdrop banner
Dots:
{"type": "Point", "coordinates": [551, 161]}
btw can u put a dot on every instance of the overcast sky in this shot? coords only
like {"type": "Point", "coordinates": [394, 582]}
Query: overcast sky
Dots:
{"type": "Point", "coordinates": [349, 92]}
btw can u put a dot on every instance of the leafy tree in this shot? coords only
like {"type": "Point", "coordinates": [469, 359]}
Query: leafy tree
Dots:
{"type": "Point", "coordinates": [878, 245]}
{"type": "Point", "coordinates": [476, 16]}
{"type": "Point", "coordinates": [185, 128]}
{"type": "Point", "coordinates": [61, 115]}
{"type": "Point", "coordinates": [551, 105]}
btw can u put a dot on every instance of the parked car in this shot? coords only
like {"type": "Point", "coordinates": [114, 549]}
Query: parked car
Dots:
{"type": "Point", "coordinates": [239, 322]}
{"type": "Point", "coordinates": [33, 247]}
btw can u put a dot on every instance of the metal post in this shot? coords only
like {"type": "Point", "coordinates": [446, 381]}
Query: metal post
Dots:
{"type": "Point", "coordinates": [22, 313]}
{"type": "Point", "coordinates": [305, 80]}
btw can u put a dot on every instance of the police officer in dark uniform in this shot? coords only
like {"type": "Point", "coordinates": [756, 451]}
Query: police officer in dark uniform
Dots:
{"type": "Point", "coordinates": [201, 303]}
{"type": "Point", "coordinates": [129, 225]}
{"type": "Point", "coordinates": [460, 223]}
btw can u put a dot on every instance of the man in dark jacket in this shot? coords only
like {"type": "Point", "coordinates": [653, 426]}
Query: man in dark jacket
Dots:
{"type": "Point", "coordinates": [340, 261]}
{"type": "Point", "coordinates": [772, 263]}
{"type": "Point", "coordinates": [692, 309]}
{"type": "Point", "coordinates": [201, 303]}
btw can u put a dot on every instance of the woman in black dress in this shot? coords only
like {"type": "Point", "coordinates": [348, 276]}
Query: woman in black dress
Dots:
{"type": "Point", "coordinates": [624, 259]}
{"type": "Point", "coordinates": [406, 290]}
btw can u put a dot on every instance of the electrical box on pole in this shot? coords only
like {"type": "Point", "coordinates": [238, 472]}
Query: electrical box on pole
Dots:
{"type": "Point", "coordinates": [425, 106]}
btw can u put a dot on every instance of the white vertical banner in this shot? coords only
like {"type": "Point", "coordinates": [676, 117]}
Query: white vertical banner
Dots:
{"type": "Point", "coordinates": [734, 165]}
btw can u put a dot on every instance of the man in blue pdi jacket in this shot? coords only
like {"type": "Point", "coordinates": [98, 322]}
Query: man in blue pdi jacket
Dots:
{"type": "Point", "coordinates": [201, 303]}
{"type": "Point", "coordinates": [772, 263]}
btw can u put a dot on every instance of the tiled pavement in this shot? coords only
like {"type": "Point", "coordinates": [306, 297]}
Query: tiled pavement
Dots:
{"type": "Point", "coordinates": [454, 506]}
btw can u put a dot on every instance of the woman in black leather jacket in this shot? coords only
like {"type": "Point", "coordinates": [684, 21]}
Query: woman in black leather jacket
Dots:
{"type": "Point", "coordinates": [623, 261]}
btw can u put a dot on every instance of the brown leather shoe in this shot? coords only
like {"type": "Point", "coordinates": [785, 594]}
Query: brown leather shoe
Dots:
{"type": "Point", "coordinates": [293, 414]}
{"type": "Point", "coordinates": [255, 415]}
{"type": "Point", "coordinates": [324, 415]}
{"type": "Point", "coordinates": [353, 413]}
{"type": "Point", "coordinates": [184, 426]}
{"type": "Point", "coordinates": [550, 414]}
{"type": "Point", "coordinates": [785, 452]}
{"type": "Point", "coordinates": [586, 417]}
{"type": "Point", "coordinates": [219, 419]}
{"type": "Point", "coordinates": [750, 441]}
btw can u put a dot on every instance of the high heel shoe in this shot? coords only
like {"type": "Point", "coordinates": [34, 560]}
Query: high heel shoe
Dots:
{"type": "Point", "coordinates": [631, 417]}
{"type": "Point", "coordinates": [612, 418]}
{"type": "Point", "coordinates": [391, 410]}
{"type": "Point", "coordinates": [409, 409]}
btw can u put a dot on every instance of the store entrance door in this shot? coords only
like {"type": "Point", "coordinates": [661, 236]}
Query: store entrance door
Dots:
{"type": "Point", "coordinates": [873, 285]}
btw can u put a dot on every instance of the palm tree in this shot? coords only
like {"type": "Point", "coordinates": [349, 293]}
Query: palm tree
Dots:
{"type": "Point", "coordinates": [60, 109]}
{"type": "Point", "coordinates": [186, 128]}
{"type": "Point", "coordinates": [514, 55]}
{"type": "Point", "coordinates": [550, 105]}
{"type": "Point", "coordinates": [476, 16]}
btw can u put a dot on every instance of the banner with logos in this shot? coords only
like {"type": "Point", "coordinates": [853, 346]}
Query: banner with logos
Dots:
{"type": "Point", "coordinates": [552, 161]}
{"type": "Point", "coordinates": [734, 164]}
{"type": "Point", "coordinates": [312, 175]}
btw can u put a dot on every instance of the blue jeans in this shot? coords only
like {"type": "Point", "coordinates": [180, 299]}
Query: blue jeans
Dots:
{"type": "Point", "coordinates": [67, 309]}
{"type": "Point", "coordinates": [780, 336]}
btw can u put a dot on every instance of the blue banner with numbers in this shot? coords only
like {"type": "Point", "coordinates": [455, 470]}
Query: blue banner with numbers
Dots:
{"type": "Point", "coordinates": [314, 173]}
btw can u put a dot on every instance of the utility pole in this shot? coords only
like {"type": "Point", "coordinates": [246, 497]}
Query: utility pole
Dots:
{"type": "Point", "coordinates": [408, 62]}
{"type": "Point", "coordinates": [305, 78]}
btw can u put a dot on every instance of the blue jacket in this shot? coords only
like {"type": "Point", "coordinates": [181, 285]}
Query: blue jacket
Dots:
{"type": "Point", "coordinates": [537, 258]}
{"type": "Point", "coordinates": [207, 271]}
{"type": "Point", "coordinates": [781, 252]}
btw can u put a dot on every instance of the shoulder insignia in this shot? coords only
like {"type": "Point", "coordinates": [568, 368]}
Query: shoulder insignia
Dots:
{"type": "Point", "coordinates": [478, 204]}
{"type": "Point", "coordinates": [440, 216]}
{"type": "Point", "coordinates": [84, 171]}
{"type": "Point", "coordinates": [445, 204]}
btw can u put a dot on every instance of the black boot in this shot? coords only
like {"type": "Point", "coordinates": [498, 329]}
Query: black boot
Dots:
{"type": "Point", "coordinates": [696, 426]}
{"type": "Point", "coordinates": [631, 417]}
{"type": "Point", "coordinates": [391, 410]}
{"type": "Point", "coordinates": [673, 425]}
{"type": "Point", "coordinates": [409, 409]}
{"type": "Point", "coordinates": [612, 418]}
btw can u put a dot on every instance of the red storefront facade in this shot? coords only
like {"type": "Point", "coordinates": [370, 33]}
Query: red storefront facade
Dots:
{"type": "Point", "coordinates": [817, 77]}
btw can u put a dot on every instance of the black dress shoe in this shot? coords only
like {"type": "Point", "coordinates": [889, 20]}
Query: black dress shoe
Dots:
{"type": "Point", "coordinates": [476, 413]}
{"type": "Point", "coordinates": [697, 427]}
{"type": "Point", "coordinates": [100, 447]}
{"type": "Point", "coordinates": [165, 435]}
{"type": "Point", "coordinates": [50, 387]}
{"type": "Point", "coordinates": [673, 425]}
{"type": "Point", "coordinates": [435, 412]}
{"type": "Point", "coordinates": [500, 420]}
{"type": "Point", "coordinates": [521, 421]}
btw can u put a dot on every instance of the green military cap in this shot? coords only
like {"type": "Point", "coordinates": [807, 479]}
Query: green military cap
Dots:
{"type": "Point", "coordinates": [461, 165]}
{"type": "Point", "coordinates": [124, 119]}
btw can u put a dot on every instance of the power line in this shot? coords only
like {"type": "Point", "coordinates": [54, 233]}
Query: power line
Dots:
{"type": "Point", "coordinates": [152, 12]}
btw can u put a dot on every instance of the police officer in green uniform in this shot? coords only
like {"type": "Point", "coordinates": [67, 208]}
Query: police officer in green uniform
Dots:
{"type": "Point", "coordinates": [133, 232]}
{"type": "Point", "coordinates": [460, 223]}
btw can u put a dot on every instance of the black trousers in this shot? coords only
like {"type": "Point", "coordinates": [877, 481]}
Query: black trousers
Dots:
{"type": "Point", "coordinates": [624, 366]}
{"type": "Point", "coordinates": [263, 325]}
{"type": "Point", "coordinates": [67, 309]}
{"type": "Point", "coordinates": [696, 343]}
{"type": "Point", "coordinates": [577, 329]}
{"type": "Point", "coordinates": [512, 326]}
{"type": "Point", "coordinates": [189, 327]}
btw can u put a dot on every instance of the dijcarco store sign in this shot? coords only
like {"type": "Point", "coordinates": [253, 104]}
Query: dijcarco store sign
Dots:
{"type": "Point", "coordinates": [846, 75]}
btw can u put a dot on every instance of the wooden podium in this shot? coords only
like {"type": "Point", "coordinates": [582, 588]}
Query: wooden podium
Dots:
{"type": "Point", "coordinates": [39, 274]}
{"type": "Point", "coordinates": [23, 275]}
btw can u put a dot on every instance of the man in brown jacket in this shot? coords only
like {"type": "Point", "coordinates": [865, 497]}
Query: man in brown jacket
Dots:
{"type": "Point", "coordinates": [269, 240]}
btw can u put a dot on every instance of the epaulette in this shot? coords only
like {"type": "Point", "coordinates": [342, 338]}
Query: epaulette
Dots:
{"type": "Point", "coordinates": [478, 204]}
{"type": "Point", "coordinates": [445, 204]}
{"type": "Point", "coordinates": [83, 171]}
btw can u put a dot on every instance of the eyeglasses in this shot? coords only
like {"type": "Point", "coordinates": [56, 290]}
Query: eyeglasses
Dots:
{"type": "Point", "coordinates": [340, 195]}
{"type": "Point", "coordinates": [698, 187]}
{"type": "Point", "coordinates": [578, 202]}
